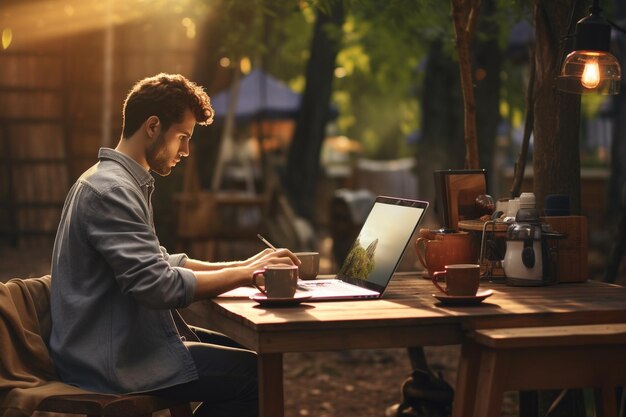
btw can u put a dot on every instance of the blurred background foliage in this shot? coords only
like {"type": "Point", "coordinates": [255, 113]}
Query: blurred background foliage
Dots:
{"type": "Point", "coordinates": [395, 84]}
{"type": "Point", "coordinates": [381, 63]}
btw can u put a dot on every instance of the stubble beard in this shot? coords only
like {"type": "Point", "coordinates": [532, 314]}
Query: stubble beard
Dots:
{"type": "Point", "coordinates": [156, 157]}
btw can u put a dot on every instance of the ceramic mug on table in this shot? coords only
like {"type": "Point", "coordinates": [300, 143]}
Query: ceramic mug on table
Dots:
{"type": "Point", "coordinates": [461, 279]}
{"type": "Point", "coordinates": [310, 264]}
{"type": "Point", "coordinates": [437, 249]}
{"type": "Point", "coordinates": [280, 280]}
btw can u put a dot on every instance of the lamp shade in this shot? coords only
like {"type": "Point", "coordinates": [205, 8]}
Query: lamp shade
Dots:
{"type": "Point", "coordinates": [590, 68]}
{"type": "Point", "coordinates": [590, 72]}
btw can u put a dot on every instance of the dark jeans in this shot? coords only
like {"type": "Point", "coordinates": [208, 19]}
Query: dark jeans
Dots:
{"type": "Point", "coordinates": [227, 378]}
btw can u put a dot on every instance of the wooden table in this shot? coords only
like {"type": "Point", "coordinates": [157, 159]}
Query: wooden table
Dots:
{"type": "Point", "coordinates": [407, 315]}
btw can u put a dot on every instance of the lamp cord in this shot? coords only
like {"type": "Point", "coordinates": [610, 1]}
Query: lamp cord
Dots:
{"type": "Point", "coordinates": [570, 29]}
{"type": "Point", "coordinates": [595, 7]}
{"type": "Point", "coordinates": [571, 26]}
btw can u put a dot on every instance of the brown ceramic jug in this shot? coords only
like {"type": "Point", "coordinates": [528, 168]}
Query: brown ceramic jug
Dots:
{"type": "Point", "coordinates": [436, 249]}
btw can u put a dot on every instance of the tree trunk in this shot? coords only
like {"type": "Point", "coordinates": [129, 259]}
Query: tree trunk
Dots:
{"type": "Point", "coordinates": [304, 154]}
{"type": "Point", "coordinates": [556, 153]}
{"type": "Point", "coordinates": [616, 197]}
{"type": "Point", "coordinates": [529, 122]}
{"type": "Point", "coordinates": [441, 144]}
{"type": "Point", "coordinates": [464, 16]}
{"type": "Point", "coordinates": [488, 64]}
{"type": "Point", "coordinates": [618, 146]}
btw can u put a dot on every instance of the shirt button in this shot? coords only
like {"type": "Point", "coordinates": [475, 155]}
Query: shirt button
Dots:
{"type": "Point", "coordinates": [183, 338]}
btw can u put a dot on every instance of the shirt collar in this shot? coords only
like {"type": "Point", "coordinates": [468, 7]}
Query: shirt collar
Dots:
{"type": "Point", "coordinates": [138, 172]}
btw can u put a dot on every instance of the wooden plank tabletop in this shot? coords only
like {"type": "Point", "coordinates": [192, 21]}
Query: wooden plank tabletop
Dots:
{"type": "Point", "coordinates": [409, 315]}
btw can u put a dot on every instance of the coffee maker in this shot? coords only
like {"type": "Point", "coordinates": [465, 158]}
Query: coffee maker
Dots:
{"type": "Point", "coordinates": [528, 260]}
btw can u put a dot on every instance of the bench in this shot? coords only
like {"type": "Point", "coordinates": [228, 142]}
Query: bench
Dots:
{"type": "Point", "coordinates": [494, 361]}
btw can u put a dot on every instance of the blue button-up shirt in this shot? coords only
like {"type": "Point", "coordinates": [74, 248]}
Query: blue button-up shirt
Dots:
{"type": "Point", "coordinates": [113, 286]}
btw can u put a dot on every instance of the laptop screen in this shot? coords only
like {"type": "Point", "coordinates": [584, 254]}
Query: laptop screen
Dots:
{"type": "Point", "coordinates": [378, 249]}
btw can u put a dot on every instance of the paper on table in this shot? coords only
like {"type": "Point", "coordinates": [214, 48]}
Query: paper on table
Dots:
{"type": "Point", "coordinates": [241, 292]}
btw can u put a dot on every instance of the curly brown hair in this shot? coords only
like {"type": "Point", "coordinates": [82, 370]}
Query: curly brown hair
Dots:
{"type": "Point", "coordinates": [166, 96]}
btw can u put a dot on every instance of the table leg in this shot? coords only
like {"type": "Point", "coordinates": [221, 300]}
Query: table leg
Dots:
{"type": "Point", "coordinates": [271, 396]}
{"type": "Point", "coordinates": [466, 381]}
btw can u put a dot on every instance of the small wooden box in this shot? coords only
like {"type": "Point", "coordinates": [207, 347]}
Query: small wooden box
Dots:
{"type": "Point", "coordinates": [573, 250]}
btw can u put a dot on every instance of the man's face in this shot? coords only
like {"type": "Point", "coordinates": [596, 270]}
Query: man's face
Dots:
{"type": "Point", "coordinates": [166, 150]}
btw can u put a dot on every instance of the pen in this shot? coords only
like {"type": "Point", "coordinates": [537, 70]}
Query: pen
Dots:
{"type": "Point", "coordinates": [265, 241]}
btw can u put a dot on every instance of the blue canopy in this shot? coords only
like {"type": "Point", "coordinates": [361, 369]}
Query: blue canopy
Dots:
{"type": "Point", "coordinates": [260, 96]}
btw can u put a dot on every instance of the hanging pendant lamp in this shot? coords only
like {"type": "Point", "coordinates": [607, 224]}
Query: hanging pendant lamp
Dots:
{"type": "Point", "coordinates": [591, 68]}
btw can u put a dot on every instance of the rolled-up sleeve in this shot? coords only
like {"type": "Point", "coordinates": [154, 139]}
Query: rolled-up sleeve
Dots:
{"type": "Point", "coordinates": [119, 229]}
{"type": "Point", "coordinates": [175, 259]}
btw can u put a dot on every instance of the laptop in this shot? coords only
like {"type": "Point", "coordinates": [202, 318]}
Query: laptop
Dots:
{"type": "Point", "coordinates": [374, 255]}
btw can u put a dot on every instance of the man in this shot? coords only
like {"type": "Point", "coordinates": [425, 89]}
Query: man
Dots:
{"type": "Point", "coordinates": [114, 286]}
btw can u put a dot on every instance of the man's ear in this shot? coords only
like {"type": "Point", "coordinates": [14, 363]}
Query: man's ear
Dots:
{"type": "Point", "coordinates": [153, 126]}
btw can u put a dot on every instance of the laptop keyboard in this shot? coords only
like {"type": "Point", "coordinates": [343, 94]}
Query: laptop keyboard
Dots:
{"type": "Point", "coordinates": [308, 286]}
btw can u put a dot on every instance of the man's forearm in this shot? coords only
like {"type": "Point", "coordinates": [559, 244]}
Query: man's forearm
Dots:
{"type": "Point", "coordinates": [213, 283]}
{"type": "Point", "coordinates": [197, 265]}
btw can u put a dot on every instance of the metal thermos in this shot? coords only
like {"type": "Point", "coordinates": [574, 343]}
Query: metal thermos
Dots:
{"type": "Point", "coordinates": [526, 261]}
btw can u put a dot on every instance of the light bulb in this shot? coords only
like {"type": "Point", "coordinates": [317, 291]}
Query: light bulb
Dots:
{"type": "Point", "coordinates": [591, 74]}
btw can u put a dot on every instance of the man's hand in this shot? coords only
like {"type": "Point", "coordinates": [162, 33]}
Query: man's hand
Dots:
{"type": "Point", "coordinates": [215, 282]}
{"type": "Point", "coordinates": [272, 257]}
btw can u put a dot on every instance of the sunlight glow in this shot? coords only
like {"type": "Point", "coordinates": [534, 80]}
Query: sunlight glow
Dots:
{"type": "Point", "coordinates": [7, 36]}
{"type": "Point", "coordinates": [69, 10]}
{"type": "Point", "coordinates": [340, 72]}
{"type": "Point", "coordinates": [48, 19]}
{"type": "Point", "coordinates": [245, 65]}
{"type": "Point", "coordinates": [190, 26]}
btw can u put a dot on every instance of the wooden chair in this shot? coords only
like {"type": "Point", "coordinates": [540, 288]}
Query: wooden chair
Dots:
{"type": "Point", "coordinates": [106, 405]}
{"type": "Point", "coordinates": [497, 360]}
{"type": "Point", "coordinates": [24, 330]}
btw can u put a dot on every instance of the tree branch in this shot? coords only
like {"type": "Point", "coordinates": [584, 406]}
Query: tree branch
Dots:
{"type": "Point", "coordinates": [464, 17]}
{"type": "Point", "coordinates": [520, 164]}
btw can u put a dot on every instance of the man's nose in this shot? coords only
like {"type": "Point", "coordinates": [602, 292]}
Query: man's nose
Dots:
{"type": "Point", "coordinates": [184, 148]}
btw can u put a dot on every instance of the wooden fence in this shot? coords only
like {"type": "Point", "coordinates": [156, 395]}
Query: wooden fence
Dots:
{"type": "Point", "coordinates": [52, 111]}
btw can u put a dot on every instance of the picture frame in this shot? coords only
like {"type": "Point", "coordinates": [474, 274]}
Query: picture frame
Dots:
{"type": "Point", "coordinates": [456, 191]}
